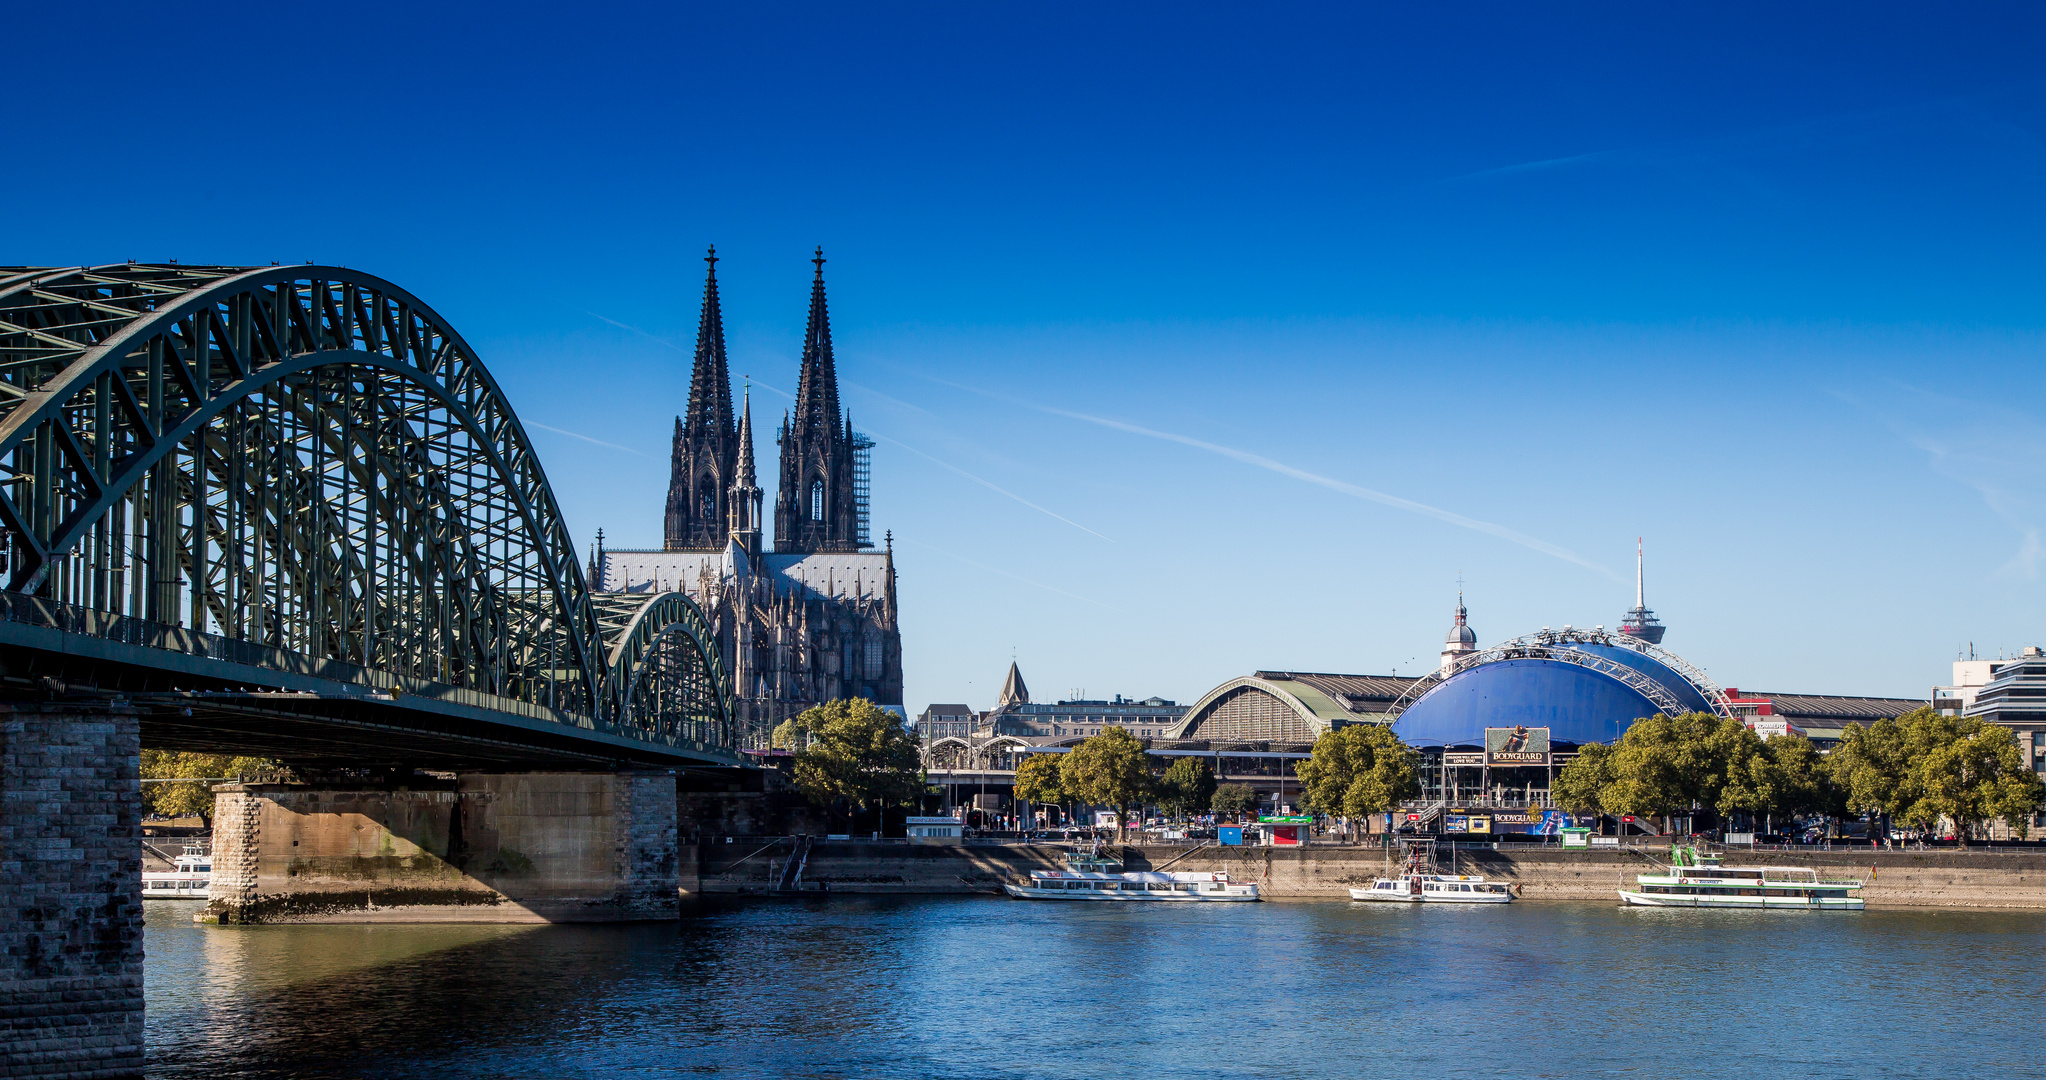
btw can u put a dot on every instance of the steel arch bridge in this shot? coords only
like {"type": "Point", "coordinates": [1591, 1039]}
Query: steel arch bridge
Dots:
{"type": "Point", "coordinates": [304, 471]}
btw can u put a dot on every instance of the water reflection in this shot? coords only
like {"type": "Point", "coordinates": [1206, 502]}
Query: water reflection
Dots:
{"type": "Point", "coordinates": [974, 987]}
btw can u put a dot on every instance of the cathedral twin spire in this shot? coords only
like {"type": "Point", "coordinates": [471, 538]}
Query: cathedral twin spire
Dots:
{"type": "Point", "coordinates": [713, 496]}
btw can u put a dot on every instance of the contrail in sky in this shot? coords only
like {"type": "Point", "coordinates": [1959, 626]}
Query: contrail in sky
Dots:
{"type": "Point", "coordinates": [954, 468]}
{"type": "Point", "coordinates": [1283, 469]}
{"type": "Point", "coordinates": [990, 486]}
{"type": "Point", "coordinates": [1004, 573]}
{"type": "Point", "coordinates": [585, 438]}
{"type": "Point", "coordinates": [634, 329]}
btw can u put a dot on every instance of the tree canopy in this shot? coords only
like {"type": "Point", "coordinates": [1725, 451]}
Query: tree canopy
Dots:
{"type": "Point", "coordinates": [858, 752]}
{"type": "Point", "coordinates": [1233, 799]}
{"type": "Point", "coordinates": [196, 797]}
{"type": "Point", "coordinates": [1673, 764]}
{"type": "Point", "coordinates": [1359, 769]}
{"type": "Point", "coordinates": [1923, 767]}
{"type": "Point", "coordinates": [1039, 780]}
{"type": "Point", "coordinates": [1110, 769]}
{"type": "Point", "coordinates": [1187, 785]}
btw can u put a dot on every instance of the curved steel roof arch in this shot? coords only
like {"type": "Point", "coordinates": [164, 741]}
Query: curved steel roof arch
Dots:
{"type": "Point", "coordinates": [1188, 725]}
{"type": "Point", "coordinates": [308, 457]}
{"type": "Point", "coordinates": [1561, 646]}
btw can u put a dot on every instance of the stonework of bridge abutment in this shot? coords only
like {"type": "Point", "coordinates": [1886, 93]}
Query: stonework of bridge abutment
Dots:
{"type": "Point", "coordinates": [470, 847]}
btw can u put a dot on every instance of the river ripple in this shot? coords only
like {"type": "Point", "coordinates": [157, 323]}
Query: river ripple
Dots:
{"type": "Point", "coordinates": [933, 987]}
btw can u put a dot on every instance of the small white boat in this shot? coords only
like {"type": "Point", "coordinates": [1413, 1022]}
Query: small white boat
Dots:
{"type": "Point", "coordinates": [1144, 886]}
{"type": "Point", "coordinates": [1091, 877]}
{"type": "Point", "coordinates": [193, 873]}
{"type": "Point", "coordinates": [1436, 889]}
{"type": "Point", "coordinates": [1697, 880]}
{"type": "Point", "coordinates": [1418, 883]}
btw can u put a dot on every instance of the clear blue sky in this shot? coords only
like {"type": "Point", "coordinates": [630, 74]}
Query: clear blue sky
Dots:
{"type": "Point", "coordinates": [1167, 318]}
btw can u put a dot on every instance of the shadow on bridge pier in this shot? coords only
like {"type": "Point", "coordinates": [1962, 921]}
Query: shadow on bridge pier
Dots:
{"type": "Point", "coordinates": [476, 847]}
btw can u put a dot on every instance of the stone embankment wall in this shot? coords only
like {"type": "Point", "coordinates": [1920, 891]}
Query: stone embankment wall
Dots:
{"type": "Point", "coordinates": [71, 926]}
{"type": "Point", "coordinates": [515, 847]}
{"type": "Point", "coordinates": [1901, 879]}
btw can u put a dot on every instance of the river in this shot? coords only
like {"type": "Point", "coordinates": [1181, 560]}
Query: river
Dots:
{"type": "Point", "coordinates": [974, 987]}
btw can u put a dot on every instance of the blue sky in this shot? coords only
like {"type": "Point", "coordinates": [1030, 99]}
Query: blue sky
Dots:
{"type": "Point", "coordinates": [1196, 340]}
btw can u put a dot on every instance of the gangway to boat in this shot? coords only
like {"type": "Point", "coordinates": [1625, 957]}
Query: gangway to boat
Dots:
{"type": "Point", "coordinates": [792, 870]}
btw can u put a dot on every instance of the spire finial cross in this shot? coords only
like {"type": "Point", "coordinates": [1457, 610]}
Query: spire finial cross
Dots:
{"type": "Point", "coordinates": [712, 259]}
{"type": "Point", "coordinates": [819, 260]}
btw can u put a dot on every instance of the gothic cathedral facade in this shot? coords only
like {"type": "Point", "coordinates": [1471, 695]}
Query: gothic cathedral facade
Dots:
{"type": "Point", "coordinates": [814, 619]}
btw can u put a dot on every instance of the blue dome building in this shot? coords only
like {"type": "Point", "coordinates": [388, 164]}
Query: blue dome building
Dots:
{"type": "Point", "coordinates": [1583, 685]}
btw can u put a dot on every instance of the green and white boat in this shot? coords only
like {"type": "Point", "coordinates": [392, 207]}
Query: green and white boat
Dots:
{"type": "Point", "coordinates": [1696, 879]}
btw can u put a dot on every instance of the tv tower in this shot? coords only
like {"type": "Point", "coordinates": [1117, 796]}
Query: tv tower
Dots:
{"type": "Point", "coordinates": [1641, 622]}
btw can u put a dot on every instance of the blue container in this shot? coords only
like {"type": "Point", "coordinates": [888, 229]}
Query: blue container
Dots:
{"type": "Point", "coordinates": [1230, 834]}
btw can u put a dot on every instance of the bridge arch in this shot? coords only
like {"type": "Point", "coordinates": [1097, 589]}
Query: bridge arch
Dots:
{"type": "Point", "coordinates": [310, 458]}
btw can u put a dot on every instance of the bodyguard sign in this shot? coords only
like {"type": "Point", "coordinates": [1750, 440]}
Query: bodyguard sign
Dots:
{"type": "Point", "coordinates": [1521, 745]}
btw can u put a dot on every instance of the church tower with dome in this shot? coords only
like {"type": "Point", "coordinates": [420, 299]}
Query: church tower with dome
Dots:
{"type": "Point", "coordinates": [1462, 640]}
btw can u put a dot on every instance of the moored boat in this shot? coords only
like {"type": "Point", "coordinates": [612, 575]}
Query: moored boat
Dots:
{"type": "Point", "coordinates": [188, 881]}
{"type": "Point", "coordinates": [1418, 883]}
{"type": "Point", "coordinates": [1090, 876]}
{"type": "Point", "coordinates": [1436, 889]}
{"type": "Point", "coordinates": [1183, 888]}
{"type": "Point", "coordinates": [1696, 879]}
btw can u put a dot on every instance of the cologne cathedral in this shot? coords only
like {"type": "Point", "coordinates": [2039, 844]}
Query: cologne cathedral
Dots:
{"type": "Point", "coordinates": [813, 619]}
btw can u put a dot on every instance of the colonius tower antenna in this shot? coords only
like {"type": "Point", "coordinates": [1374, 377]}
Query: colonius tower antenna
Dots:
{"type": "Point", "coordinates": [1640, 622]}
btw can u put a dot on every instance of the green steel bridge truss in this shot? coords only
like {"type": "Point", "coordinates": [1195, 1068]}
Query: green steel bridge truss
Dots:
{"type": "Point", "coordinates": [308, 462]}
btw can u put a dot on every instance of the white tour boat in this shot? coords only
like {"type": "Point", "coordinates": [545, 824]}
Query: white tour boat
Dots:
{"type": "Point", "coordinates": [194, 871]}
{"type": "Point", "coordinates": [1091, 877]}
{"type": "Point", "coordinates": [1436, 889]}
{"type": "Point", "coordinates": [1417, 883]}
{"type": "Point", "coordinates": [1698, 880]}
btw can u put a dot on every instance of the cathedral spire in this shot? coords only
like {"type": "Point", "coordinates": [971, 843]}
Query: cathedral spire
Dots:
{"type": "Point", "coordinates": [817, 385]}
{"type": "Point", "coordinates": [710, 382]}
{"type": "Point", "coordinates": [744, 521]}
{"type": "Point", "coordinates": [705, 437]}
{"type": "Point", "coordinates": [818, 500]}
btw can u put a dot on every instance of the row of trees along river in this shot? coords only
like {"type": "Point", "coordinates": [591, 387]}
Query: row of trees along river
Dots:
{"type": "Point", "coordinates": [1922, 770]}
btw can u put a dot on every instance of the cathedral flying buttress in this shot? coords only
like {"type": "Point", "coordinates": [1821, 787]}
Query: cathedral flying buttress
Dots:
{"type": "Point", "coordinates": [814, 618]}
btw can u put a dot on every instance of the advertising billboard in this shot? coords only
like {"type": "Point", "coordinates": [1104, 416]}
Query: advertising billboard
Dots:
{"type": "Point", "coordinates": [1521, 745]}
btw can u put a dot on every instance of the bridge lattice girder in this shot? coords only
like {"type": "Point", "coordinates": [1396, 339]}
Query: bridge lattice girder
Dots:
{"type": "Point", "coordinates": [312, 459]}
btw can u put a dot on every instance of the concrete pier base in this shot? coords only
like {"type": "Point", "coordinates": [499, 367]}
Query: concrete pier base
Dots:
{"type": "Point", "coordinates": [485, 847]}
{"type": "Point", "coordinates": [70, 892]}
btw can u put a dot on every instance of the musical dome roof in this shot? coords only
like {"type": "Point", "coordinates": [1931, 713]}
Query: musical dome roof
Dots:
{"type": "Point", "coordinates": [1584, 686]}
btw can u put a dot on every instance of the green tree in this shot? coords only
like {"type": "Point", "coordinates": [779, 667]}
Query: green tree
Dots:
{"type": "Point", "coordinates": [1189, 783]}
{"type": "Point", "coordinates": [1924, 767]}
{"type": "Point", "coordinates": [1651, 769]}
{"type": "Point", "coordinates": [787, 735]}
{"type": "Point", "coordinates": [195, 797]}
{"type": "Point", "coordinates": [1735, 772]}
{"type": "Point", "coordinates": [858, 752]}
{"type": "Point", "coordinates": [1359, 770]}
{"type": "Point", "coordinates": [1039, 780]}
{"type": "Point", "coordinates": [1799, 783]}
{"type": "Point", "coordinates": [1871, 769]}
{"type": "Point", "coordinates": [1580, 787]}
{"type": "Point", "coordinates": [1110, 769]}
{"type": "Point", "coordinates": [1233, 799]}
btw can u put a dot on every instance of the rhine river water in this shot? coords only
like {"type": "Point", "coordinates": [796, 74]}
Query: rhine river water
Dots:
{"type": "Point", "coordinates": [981, 987]}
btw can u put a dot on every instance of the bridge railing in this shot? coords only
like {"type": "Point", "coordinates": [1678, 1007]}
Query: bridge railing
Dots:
{"type": "Point", "coordinates": [371, 682]}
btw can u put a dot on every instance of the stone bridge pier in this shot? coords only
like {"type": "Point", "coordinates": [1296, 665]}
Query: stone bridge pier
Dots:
{"type": "Point", "coordinates": [70, 876]}
{"type": "Point", "coordinates": [482, 847]}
